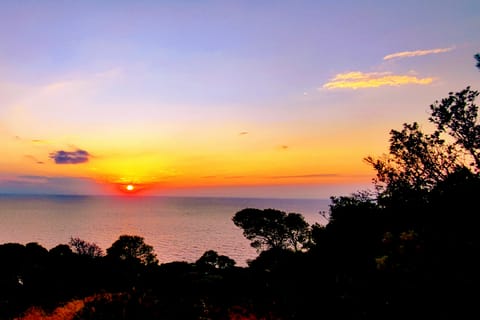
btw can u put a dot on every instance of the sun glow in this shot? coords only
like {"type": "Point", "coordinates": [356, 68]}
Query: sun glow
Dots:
{"type": "Point", "coordinates": [132, 188]}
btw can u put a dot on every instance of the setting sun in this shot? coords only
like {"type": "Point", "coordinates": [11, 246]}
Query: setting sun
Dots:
{"type": "Point", "coordinates": [130, 187]}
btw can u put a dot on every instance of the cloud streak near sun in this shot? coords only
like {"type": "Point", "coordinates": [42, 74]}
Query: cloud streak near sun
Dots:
{"type": "Point", "coordinates": [416, 53]}
{"type": "Point", "coordinates": [70, 157]}
{"type": "Point", "coordinates": [360, 80]}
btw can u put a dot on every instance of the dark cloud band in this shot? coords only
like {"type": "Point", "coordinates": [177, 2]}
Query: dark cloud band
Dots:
{"type": "Point", "coordinates": [70, 157]}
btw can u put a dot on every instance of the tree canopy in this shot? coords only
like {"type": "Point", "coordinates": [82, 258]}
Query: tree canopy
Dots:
{"type": "Point", "coordinates": [211, 259]}
{"type": "Point", "coordinates": [132, 249]}
{"type": "Point", "coordinates": [417, 162]}
{"type": "Point", "coordinates": [273, 229]}
{"type": "Point", "coordinates": [84, 248]}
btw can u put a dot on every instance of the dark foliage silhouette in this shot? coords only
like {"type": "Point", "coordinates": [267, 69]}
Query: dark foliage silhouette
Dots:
{"type": "Point", "coordinates": [211, 259]}
{"type": "Point", "coordinates": [132, 249]}
{"type": "Point", "coordinates": [84, 248]}
{"type": "Point", "coordinates": [273, 229]}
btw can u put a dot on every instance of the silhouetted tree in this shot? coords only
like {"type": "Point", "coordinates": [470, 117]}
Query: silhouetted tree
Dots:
{"type": "Point", "coordinates": [273, 229]}
{"type": "Point", "coordinates": [457, 115]}
{"type": "Point", "coordinates": [61, 250]}
{"type": "Point", "coordinates": [35, 250]}
{"type": "Point", "coordinates": [298, 231]}
{"type": "Point", "coordinates": [132, 249]}
{"type": "Point", "coordinates": [84, 248]}
{"type": "Point", "coordinates": [317, 234]}
{"type": "Point", "coordinates": [213, 260]}
{"type": "Point", "coordinates": [427, 189]}
{"type": "Point", "coordinates": [415, 164]}
{"type": "Point", "coordinates": [353, 230]}
{"type": "Point", "coordinates": [477, 57]}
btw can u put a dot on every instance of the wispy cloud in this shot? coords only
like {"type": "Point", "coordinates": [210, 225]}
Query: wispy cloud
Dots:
{"type": "Point", "coordinates": [360, 80]}
{"type": "Point", "coordinates": [28, 156]}
{"type": "Point", "coordinates": [314, 175]}
{"type": "Point", "coordinates": [416, 53]}
{"type": "Point", "coordinates": [80, 84]}
{"type": "Point", "coordinates": [32, 179]}
{"type": "Point", "coordinates": [30, 184]}
{"type": "Point", "coordinates": [70, 157]}
{"type": "Point", "coordinates": [39, 142]}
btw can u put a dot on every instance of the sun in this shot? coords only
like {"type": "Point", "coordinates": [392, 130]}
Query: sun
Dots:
{"type": "Point", "coordinates": [130, 188]}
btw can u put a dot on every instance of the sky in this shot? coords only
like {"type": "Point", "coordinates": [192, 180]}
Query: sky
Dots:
{"type": "Point", "coordinates": [220, 98]}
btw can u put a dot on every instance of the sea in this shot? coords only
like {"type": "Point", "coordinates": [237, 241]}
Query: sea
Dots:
{"type": "Point", "coordinates": [178, 228]}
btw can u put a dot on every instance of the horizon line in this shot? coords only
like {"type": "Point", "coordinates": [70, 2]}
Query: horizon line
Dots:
{"type": "Point", "coordinates": [157, 196]}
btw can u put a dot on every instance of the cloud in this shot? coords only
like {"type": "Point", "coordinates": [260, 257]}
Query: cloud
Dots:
{"type": "Point", "coordinates": [28, 156]}
{"type": "Point", "coordinates": [314, 175]}
{"type": "Point", "coordinates": [39, 141]}
{"type": "Point", "coordinates": [243, 133]}
{"type": "Point", "coordinates": [81, 83]}
{"type": "Point", "coordinates": [31, 179]}
{"type": "Point", "coordinates": [73, 157]}
{"type": "Point", "coordinates": [30, 184]}
{"type": "Point", "coordinates": [114, 73]}
{"type": "Point", "coordinates": [416, 53]}
{"type": "Point", "coordinates": [360, 80]}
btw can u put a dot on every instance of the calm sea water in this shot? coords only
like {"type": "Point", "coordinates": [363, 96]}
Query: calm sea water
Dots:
{"type": "Point", "coordinates": [179, 229]}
